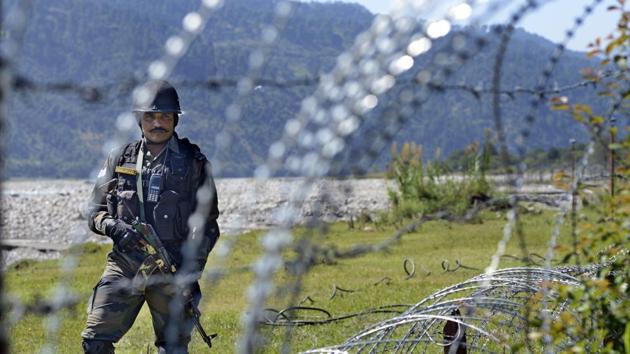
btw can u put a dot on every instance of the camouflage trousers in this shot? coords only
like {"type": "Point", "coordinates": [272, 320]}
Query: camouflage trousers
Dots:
{"type": "Point", "coordinates": [113, 307]}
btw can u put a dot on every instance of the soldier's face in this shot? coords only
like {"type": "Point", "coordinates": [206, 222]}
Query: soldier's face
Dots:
{"type": "Point", "coordinates": [158, 127]}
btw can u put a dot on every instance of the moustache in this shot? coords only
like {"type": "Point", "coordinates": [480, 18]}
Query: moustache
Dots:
{"type": "Point", "coordinates": [158, 130]}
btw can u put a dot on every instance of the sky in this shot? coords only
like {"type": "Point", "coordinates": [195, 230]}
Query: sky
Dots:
{"type": "Point", "coordinates": [551, 20]}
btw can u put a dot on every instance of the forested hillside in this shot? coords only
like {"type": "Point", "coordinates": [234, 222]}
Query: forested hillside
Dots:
{"type": "Point", "coordinates": [109, 44]}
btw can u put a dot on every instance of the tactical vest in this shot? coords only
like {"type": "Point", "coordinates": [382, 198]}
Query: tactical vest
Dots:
{"type": "Point", "coordinates": [177, 193]}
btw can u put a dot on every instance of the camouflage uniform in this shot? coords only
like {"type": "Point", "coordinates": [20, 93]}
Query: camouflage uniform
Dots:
{"type": "Point", "coordinates": [114, 305]}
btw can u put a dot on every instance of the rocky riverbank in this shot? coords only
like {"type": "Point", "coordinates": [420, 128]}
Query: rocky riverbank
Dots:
{"type": "Point", "coordinates": [42, 217]}
{"type": "Point", "coordinates": [39, 217]}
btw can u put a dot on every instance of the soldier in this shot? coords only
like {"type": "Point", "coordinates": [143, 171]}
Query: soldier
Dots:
{"type": "Point", "coordinates": [153, 180]}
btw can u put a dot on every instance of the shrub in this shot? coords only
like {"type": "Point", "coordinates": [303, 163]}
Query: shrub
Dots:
{"type": "Point", "coordinates": [428, 188]}
{"type": "Point", "coordinates": [595, 315]}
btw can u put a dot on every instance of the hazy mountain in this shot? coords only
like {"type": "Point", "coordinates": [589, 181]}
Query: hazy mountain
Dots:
{"type": "Point", "coordinates": [109, 44]}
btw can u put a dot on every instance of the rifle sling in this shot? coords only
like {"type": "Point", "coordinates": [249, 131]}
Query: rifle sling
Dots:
{"type": "Point", "coordinates": [139, 191]}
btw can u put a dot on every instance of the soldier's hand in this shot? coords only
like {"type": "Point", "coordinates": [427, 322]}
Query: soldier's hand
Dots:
{"type": "Point", "coordinates": [124, 236]}
{"type": "Point", "coordinates": [187, 295]}
{"type": "Point", "coordinates": [130, 241]}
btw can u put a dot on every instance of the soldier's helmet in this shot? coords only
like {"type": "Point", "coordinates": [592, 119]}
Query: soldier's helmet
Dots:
{"type": "Point", "coordinates": [165, 100]}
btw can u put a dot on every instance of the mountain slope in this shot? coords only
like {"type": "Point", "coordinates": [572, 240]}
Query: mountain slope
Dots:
{"type": "Point", "coordinates": [58, 134]}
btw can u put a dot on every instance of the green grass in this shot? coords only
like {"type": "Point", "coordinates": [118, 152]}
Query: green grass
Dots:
{"type": "Point", "coordinates": [471, 244]}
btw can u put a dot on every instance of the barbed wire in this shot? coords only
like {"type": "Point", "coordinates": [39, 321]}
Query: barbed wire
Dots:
{"type": "Point", "coordinates": [407, 103]}
{"type": "Point", "coordinates": [617, 99]}
{"type": "Point", "coordinates": [427, 77]}
{"type": "Point", "coordinates": [289, 316]}
{"type": "Point", "coordinates": [40, 307]}
{"type": "Point", "coordinates": [359, 104]}
{"type": "Point", "coordinates": [12, 47]}
{"type": "Point", "coordinates": [331, 253]}
{"type": "Point", "coordinates": [326, 120]}
{"type": "Point", "coordinates": [513, 216]}
{"type": "Point", "coordinates": [501, 303]}
{"type": "Point", "coordinates": [576, 182]}
{"type": "Point", "coordinates": [175, 48]}
{"type": "Point", "coordinates": [534, 104]}
{"type": "Point", "coordinates": [10, 52]}
{"type": "Point", "coordinates": [233, 113]}
{"type": "Point", "coordinates": [478, 90]}
{"type": "Point", "coordinates": [98, 93]}
{"type": "Point", "coordinates": [312, 164]}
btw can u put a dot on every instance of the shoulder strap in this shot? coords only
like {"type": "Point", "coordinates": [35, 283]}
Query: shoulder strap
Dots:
{"type": "Point", "coordinates": [126, 154]}
{"type": "Point", "coordinates": [139, 191]}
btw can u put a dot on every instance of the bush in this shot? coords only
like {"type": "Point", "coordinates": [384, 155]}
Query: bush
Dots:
{"type": "Point", "coordinates": [595, 315]}
{"type": "Point", "coordinates": [425, 189]}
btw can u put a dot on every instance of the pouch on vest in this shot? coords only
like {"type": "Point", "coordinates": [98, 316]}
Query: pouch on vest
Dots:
{"type": "Point", "coordinates": [177, 173]}
{"type": "Point", "coordinates": [112, 204]}
{"type": "Point", "coordinates": [126, 180]}
{"type": "Point", "coordinates": [184, 210]}
{"type": "Point", "coordinates": [127, 208]}
{"type": "Point", "coordinates": [165, 215]}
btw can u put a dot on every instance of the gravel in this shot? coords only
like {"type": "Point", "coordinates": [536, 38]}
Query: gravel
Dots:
{"type": "Point", "coordinates": [53, 211]}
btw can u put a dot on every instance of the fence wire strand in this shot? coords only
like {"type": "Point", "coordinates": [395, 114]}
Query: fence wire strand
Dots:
{"type": "Point", "coordinates": [344, 102]}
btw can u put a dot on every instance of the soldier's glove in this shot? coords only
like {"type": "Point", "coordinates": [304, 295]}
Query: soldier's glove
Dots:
{"type": "Point", "coordinates": [187, 295]}
{"type": "Point", "coordinates": [124, 236]}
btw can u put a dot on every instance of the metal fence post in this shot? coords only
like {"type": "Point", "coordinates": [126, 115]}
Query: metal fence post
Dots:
{"type": "Point", "coordinates": [611, 154]}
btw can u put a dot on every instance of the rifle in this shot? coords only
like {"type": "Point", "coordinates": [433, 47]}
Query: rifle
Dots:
{"type": "Point", "coordinates": [156, 251]}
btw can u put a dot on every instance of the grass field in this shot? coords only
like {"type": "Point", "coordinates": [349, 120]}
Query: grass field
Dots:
{"type": "Point", "coordinates": [427, 247]}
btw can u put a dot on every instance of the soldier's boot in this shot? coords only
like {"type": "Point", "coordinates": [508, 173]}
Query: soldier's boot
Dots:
{"type": "Point", "coordinates": [169, 350]}
{"type": "Point", "coordinates": [97, 347]}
